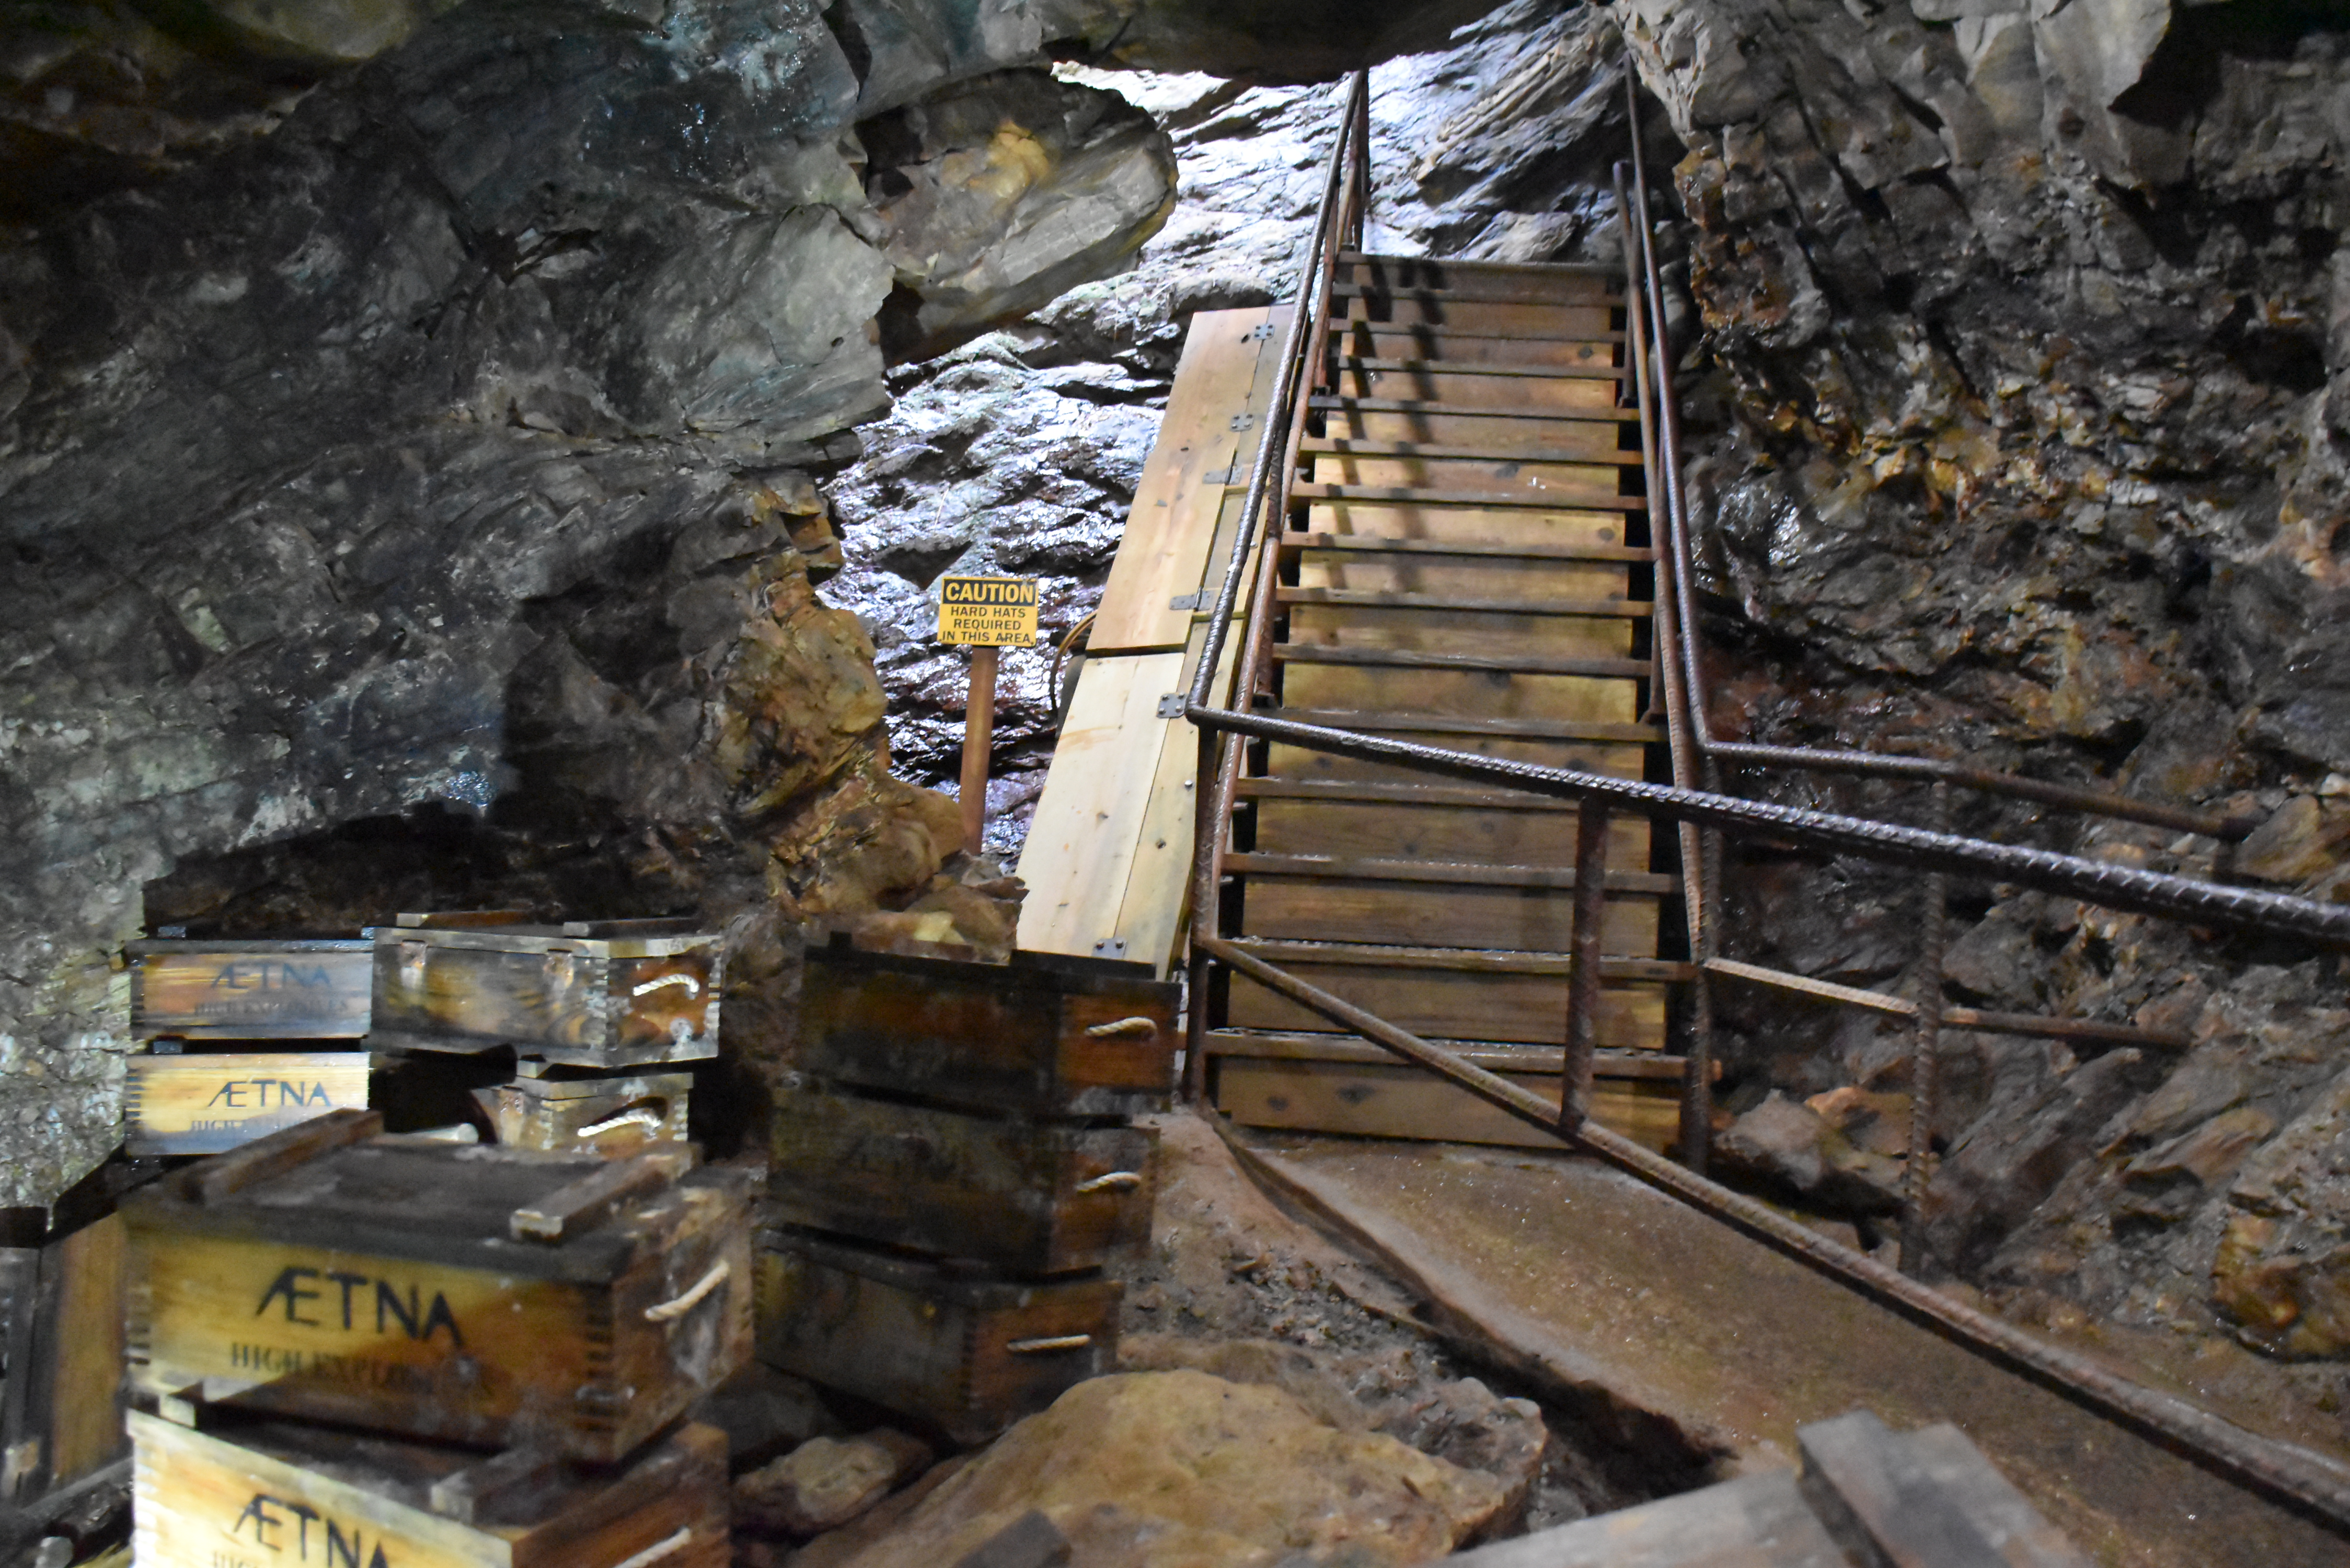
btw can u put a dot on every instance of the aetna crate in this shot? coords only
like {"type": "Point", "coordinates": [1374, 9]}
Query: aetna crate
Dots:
{"type": "Point", "coordinates": [214, 1102]}
{"type": "Point", "coordinates": [1022, 1197]}
{"type": "Point", "coordinates": [247, 1494]}
{"type": "Point", "coordinates": [451, 1292]}
{"type": "Point", "coordinates": [609, 1116]}
{"type": "Point", "coordinates": [283, 990]}
{"type": "Point", "coordinates": [601, 995]}
{"type": "Point", "coordinates": [1045, 1035]}
{"type": "Point", "coordinates": [964, 1354]}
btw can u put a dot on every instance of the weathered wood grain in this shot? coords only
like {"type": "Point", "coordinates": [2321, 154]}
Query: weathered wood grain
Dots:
{"type": "Point", "coordinates": [290, 989]}
{"type": "Point", "coordinates": [245, 1495]}
{"type": "Point", "coordinates": [966, 1356]}
{"type": "Point", "coordinates": [1045, 1035]}
{"type": "Point", "coordinates": [611, 1117]}
{"type": "Point", "coordinates": [1402, 1101]}
{"type": "Point", "coordinates": [382, 1284]}
{"type": "Point", "coordinates": [1023, 1196]}
{"type": "Point", "coordinates": [61, 1329]}
{"type": "Point", "coordinates": [640, 996]}
{"type": "Point", "coordinates": [211, 1103]}
{"type": "Point", "coordinates": [1457, 1004]}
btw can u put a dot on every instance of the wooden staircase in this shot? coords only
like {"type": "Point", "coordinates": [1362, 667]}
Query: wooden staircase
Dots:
{"type": "Point", "coordinates": [1467, 563]}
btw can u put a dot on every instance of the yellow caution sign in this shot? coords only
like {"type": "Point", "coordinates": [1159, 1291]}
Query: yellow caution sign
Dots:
{"type": "Point", "coordinates": [987, 612]}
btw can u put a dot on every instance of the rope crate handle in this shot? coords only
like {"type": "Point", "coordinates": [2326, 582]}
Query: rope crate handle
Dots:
{"type": "Point", "coordinates": [1041, 1347]}
{"type": "Point", "coordinates": [1125, 1026]}
{"type": "Point", "coordinates": [1114, 1181]}
{"type": "Point", "coordinates": [659, 1549]}
{"type": "Point", "coordinates": [635, 1115]}
{"type": "Point", "coordinates": [679, 1306]}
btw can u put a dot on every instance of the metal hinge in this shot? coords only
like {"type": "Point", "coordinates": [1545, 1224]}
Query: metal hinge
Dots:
{"type": "Point", "coordinates": [1110, 947]}
{"type": "Point", "coordinates": [1260, 334]}
{"type": "Point", "coordinates": [1192, 601]}
{"type": "Point", "coordinates": [1243, 422]}
{"type": "Point", "coordinates": [1171, 705]}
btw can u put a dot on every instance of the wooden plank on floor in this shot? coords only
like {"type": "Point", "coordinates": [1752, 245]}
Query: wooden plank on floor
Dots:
{"type": "Point", "coordinates": [1220, 379]}
{"type": "Point", "coordinates": [1326, 909]}
{"type": "Point", "coordinates": [1410, 1102]}
{"type": "Point", "coordinates": [1456, 1005]}
{"type": "Point", "coordinates": [1082, 841]}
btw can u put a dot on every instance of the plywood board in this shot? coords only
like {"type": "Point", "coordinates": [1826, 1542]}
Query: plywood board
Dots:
{"type": "Point", "coordinates": [1152, 915]}
{"type": "Point", "coordinates": [1215, 418]}
{"type": "Point", "coordinates": [1082, 840]}
{"type": "Point", "coordinates": [1410, 1102]}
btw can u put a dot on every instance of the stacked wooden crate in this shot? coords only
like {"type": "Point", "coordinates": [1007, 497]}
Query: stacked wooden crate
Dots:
{"type": "Point", "coordinates": [954, 1164]}
{"type": "Point", "coordinates": [586, 1007]}
{"type": "Point", "coordinates": [244, 1038]}
{"type": "Point", "coordinates": [355, 1349]}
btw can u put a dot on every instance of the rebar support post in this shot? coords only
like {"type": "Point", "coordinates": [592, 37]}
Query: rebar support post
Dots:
{"type": "Point", "coordinates": [1926, 1044]}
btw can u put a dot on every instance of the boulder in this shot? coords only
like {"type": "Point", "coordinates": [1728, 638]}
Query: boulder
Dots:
{"type": "Point", "coordinates": [1167, 1467]}
{"type": "Point", "coordinates": [826, 1482]}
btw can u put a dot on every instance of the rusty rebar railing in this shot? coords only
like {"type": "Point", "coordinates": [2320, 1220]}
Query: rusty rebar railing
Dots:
{"type": "Point", "coordinates": [2304, 1479]}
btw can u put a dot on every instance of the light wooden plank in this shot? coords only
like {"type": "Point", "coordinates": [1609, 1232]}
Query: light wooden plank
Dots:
{"type": "Point", "coordinates": [1492, 579]}
{"type": "Point", "coordinates": [1082, 840]}
{"type": "Point", "coordinates": [1410, 1102]}
{"type": "Point", "coordinates": [1565, 484]}
{"type": "Point", "coordinates": [1511, 280]}
{"type": "Point", "coordinates": [1581, 335]}
{"type": "Point", "coordinates": [1219, 382]}
{"type": "Point", "coordinates": [1439, 310]}
{"type": "Point", "coordinates": [1336, 524]}
{"type": "Point", "coordinates": [1298, 1046]}
{"type": "Point", "coordinates": [1498, 433]}
{"type": "Point", "coordinates": [1488, 834]}
{"type": "Point", "coordinates": [1473, 694]}
{"type": "Point", "coordinates": [1367, 912]}
{"type": "Point", "coordinates": [1457, 631]}
{"type": "Point", "coordinates": [1287, 761]}
{"type": "Point", "coordinates": [1455, 1004]}
{"type": "Point", "coordinates": [1153, 910]}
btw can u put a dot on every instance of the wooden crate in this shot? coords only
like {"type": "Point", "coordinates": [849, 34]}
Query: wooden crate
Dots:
{"type": "Point", "coordinates": [459, 1293]}
{"type": "Point", "coordinates": [282, 989]}
{"type": "Point", "coordinates": [612, 1117]}
{"type": "Point", "coordinates": [211, 1103]}
{"type": "Point", "coordinates": [61, 1345]}
{"type": "Point", "coordinates": [240, 1495]}
{"type": "Point", "coordinates": [1046, 1034]}
{"type": "Point", "coordinates": [1022, 1197]}
{"type": "Point", "coordinates": [610, 994]}
{"type": "Point", "coordinates": [966, 1356]}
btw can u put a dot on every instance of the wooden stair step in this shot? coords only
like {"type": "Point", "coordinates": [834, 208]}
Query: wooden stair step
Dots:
{"type": "Point", "coordinates": [1463, 960]}
{"type": "Point", "coordinates": [1393, 495]}
{"type": "Point", "coordinates": [1372, 792]}
{"type": "Point", "coordinates": [1608, 1062]}
{"type": "Point", "coordinates": [1445, 331]}
{"type": "Point", "coordinates": [1348, 446]}
{"type": "Point", "coordinates": [1608, 270]}
{"type": "Point", "coordinates": [1377, 721]}
{"type": "Point", "coordinates": [1318, 867]}
{"type": "Point", "coordinates": [1470, 293]}
{"type": "Point", "coordinates": [1369, 599]}
{"type": "Point", "coordinates": [1340, 403]}
{"type": "Point", "coordinates": [1595, 372]}
{"type": "Point", "coordinates": [1399, 544]}
{"type": "Point", "coordinates": [1511, 663]}
{"type": "Point", "coordinates": [1378, 1099]}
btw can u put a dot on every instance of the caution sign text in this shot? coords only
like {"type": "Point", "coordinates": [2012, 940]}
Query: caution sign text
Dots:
{"type": "Point", "coordinates": [987, 611]}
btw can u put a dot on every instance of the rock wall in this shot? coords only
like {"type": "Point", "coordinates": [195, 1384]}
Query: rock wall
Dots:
{"type": "Point", "coordinates": [2019, 434]}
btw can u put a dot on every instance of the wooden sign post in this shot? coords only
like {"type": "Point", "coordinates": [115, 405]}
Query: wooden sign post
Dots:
{"type": "Point", "coordinates": [984, 614]}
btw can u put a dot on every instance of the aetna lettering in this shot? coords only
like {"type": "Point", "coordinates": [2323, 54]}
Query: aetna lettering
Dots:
{"type": "Point", "coordinates": [278, 1523]}
{"type": "Point", "coordinates": [270, 974]}
{"type": "Point", "coordinates": [263, 1091]}
{"type": "Point", "coordinates": [351, 1298]}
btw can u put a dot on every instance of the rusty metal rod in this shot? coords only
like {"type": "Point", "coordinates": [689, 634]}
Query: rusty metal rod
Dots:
{"type": "Point", "coordinates": [2091, 881]}
{"type": "Point", "coordinates": [1583, 962]}
{"type": "Point", "coordinates": [1925, 1046]}
{"type": "Point", "coordinates": [2037, 1025]}
{"type": "Point", "coordinates": [2304, 1480]}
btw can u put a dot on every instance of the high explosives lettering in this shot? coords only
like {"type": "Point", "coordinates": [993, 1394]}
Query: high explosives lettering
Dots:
{"type": "Point", "coordinates": [988, 611]}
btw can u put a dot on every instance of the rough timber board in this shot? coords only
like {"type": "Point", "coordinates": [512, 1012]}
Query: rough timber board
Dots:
{"type": "Point", "coordinates": [1089, 821]}
{"type": "Point", "coordinates": [1151, 914]}
{"type": "Point", "coordinates": [1578, 337]}
{"type": "Point", "coordinates": [1463, 387]}
{"type": "Point", "coordinates": [1221, 380]}
{"type": "Point", "coordinates": [1521, 919]}
{"type": "Point", "coordinates": [1485, 432]}
{"type": "Point", "coordinates": [1525, 527]}
{"type": "Point", "coordinates": [1479, 834]}
{"type": "Point", "coordinates": [1755, 1521]}
{"type": "Point", "coordinates": [1298, 763]}
{"type": "Point", "coordinates": [1463, 576]}
{"type": "Point", "coordinates": [1470, 693]}
{"type": "Point", "coordinates": [1487, 315]}
{"type": "Point", "coordinates": [1458, 631]}
{"type": "Point", "coordinates": [211, 1103]}
{"type": "Point", "coordinates": [1570, 483]}
{"type": "Point", "coordinates": [1410, 1102]}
